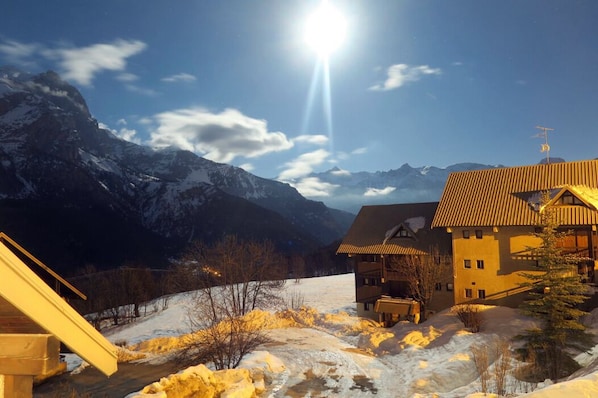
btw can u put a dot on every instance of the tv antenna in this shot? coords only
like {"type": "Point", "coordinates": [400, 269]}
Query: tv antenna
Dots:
{"type": "Point", "coordinates": [544, 147]}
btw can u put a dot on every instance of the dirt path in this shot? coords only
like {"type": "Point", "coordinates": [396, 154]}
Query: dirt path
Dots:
{"type": "Point", "coordinates": [90, 383]}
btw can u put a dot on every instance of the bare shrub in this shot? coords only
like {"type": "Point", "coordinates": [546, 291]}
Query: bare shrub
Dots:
{"type": "Point", "coordinates": [470, 315]}
{"type": "Point", "coordinates": [221, 339]}
{"type": "Point", "coordinates": [502, 365]}
{"type": "Point", "coordinates": [233, 278]}
{"type": "Point", "coordinates": [481, 361]}
{"type": "Point", "coordinates": [295, 300]}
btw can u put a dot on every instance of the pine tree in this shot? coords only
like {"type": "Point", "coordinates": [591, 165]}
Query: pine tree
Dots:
{"type": "Point", "coordinates": [554, 298]}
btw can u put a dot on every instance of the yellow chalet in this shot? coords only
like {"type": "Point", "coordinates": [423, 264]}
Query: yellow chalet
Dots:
{"type": "Point", "coordinates": [380, 238]}
{"type": "Point", "coordinates": [492, 215]}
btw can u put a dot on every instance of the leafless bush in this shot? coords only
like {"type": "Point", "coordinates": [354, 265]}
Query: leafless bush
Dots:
{"type": "Point", "coordinates": [502, 365]}
{"type": "Point", "coordinates": [221, 338]}
{"type": "Point", "coordinates": [481, 361]}
{"type": "Point", "coordinates": [470, 315]}
{"type": "Point", "coordinates": [295, 300]}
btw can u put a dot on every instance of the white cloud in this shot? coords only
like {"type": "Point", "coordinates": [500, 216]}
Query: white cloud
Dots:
{"type": "Point", "coordinates": [303, 165]}
{"type": "Point", "coordinates": [341, 172]}
{"type": "Point", "coordinates": [220, 137]}
{"type": "Point", "coordinates": [247, 166]}
{"type": "Point", "coordinates": [316, 139]}
{"type": "Point", "coordinates": [127, 77]}
{"type": "Point", "coordinates": [124, 133]}
{"type": "Point", "coordinates": [378, 192]}
{"type": "Point", "coordinates": [141, 90]}
{"type": "Point", "coordinates": [359, 151]}
{"type": "Point", "coordinates": [400, 74]}
{"type": "Point", "coordinates": [179, 77]}
{"type": "Point", "coordinates": [83, 63]}
{"type": "Point", "coordinates": [17, 53]}
{"type": "Point", "coordinates": [314, 187]}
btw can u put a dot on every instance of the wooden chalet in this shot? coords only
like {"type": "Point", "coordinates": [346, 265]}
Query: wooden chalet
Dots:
{"type": "Point", "coordinates": [379, 238]}
{"type": "Point", "coordinates": [492, 215]}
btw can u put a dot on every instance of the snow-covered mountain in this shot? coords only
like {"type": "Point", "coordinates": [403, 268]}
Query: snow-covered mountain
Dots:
{"type": "Point", "coordinates": [74, 193]}
{"type": "Point", "coordinates": [403, 185]}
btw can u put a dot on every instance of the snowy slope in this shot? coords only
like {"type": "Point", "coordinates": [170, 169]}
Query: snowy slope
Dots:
{"type": "Point", "coordinates": [327, 351]}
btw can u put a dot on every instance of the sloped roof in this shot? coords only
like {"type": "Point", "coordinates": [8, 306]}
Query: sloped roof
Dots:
{"type": "Point", "coordinates": [503, 196]}
{"type": "Point", "coordinates": [372, 230]}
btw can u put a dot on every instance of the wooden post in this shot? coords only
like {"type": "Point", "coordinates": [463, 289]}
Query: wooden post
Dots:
{"type": "Point", "coordinates": [16, 386]}
{"type": "Point", "coordinates": [23, 356]}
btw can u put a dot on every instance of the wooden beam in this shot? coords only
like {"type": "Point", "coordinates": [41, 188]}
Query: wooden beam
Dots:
{"type": "Point", "coordinates": [29, 354]}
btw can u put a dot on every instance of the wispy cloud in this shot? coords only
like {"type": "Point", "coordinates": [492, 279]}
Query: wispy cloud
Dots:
{"type": "Point", "coordinates": [314, 187]}
{"type": "Point", "coordinates": [303, 164]}
{"type": "Point", "coordinates": [378, 191]}
{"type": "Point", "coordinates": [179, 77]}
{"type": "Point", "coordinates": [220, 137]}
{"type": "Point", "coordinates": [341, 172]}
{"type": "Point", "coordinates": [18, 53]}
{"type": "Point", "coordinates": [83, 63]}
{"type": "Point", "coordinates": [148, 92]}
{"type": "Point", "coordinates": [315, 139]}
{"type": "Point", "coordinates": [400, 74]}
{"type": "Point", "coordinates": [127, 77]}
{"type": "Point", "coordinates": [123, 133]}
{"type": "Point", "coordinates": [247, 166]}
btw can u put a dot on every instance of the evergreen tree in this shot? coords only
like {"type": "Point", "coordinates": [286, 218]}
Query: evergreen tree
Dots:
{"type": "Point", "coordinates": [554, 298]}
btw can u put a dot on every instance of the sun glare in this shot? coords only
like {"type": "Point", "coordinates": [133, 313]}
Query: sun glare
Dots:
{"type": "Point", "coordinates": [325, 29]}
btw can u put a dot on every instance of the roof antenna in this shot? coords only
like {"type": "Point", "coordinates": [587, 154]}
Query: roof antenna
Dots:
{"type": "Point", "coordinates": [544, 147]}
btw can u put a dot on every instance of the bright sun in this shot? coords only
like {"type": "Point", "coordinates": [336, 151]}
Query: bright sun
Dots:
{"type": "Point", "coordinates": [325, 29]}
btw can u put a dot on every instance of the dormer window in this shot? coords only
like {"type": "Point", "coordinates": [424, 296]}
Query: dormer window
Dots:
{"type": "Point", "coordinates": [402, 233]}
{"type": "Point", "coordinates": [399, 231]}
{"type": "Point", "coordinates": [568, 199]}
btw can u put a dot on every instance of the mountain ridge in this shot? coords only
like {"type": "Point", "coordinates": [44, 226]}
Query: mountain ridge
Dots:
{"type": "Point", "coordinates": [56, 159]}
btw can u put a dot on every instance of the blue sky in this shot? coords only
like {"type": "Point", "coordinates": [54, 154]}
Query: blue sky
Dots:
{"type": "Point", "coordinates": [419, 82]}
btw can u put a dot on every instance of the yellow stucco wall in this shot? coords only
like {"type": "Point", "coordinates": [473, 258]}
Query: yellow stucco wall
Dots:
{"type": "Point", "coordinates": [503, 252]}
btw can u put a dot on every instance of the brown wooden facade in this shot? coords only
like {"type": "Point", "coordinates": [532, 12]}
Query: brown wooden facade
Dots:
{"type": "Point", "coordinates": [377, 241]}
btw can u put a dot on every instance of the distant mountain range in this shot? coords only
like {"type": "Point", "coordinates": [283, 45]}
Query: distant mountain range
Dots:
{"type": "Point", "coordinates": [74, 194]}
{"type": "Point", "coordinates": [403, 185]}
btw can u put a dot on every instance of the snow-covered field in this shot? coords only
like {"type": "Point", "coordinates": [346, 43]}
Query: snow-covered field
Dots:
{"type": "Point", "coordinates": [325, 350]}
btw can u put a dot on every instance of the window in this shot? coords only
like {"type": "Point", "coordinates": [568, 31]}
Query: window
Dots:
{"type": "Point", "coordinates": [567, 198]}
{"type": "Point", "coordinates": [481, 293]}
{"type": "Point", "coordinates": [480, 264]}
{"type": "Point", "coordinates": [468, 293]}
{"type": "Point", "coordinates": [465, 234]}
{"type": "Point", "coordinates": [438, 286]}
{"type": "Point", "coordinates": [449, 287]}
{"type": "Point", "coordinates": [366, 306]}
{"type": "Point", "coordinates": [403, 233]}
{"type": "Point", "coordinates": [467, 263]}
{"type": "Point", "coordinates": [478, 234]}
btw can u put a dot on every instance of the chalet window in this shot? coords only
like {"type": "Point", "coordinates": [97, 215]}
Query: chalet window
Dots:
{"type": "Point", "coordinates": [403, 233]}
{"type": "Point", "coordinates": [438, 286]}
{"type": "Point", "coordinates": [567, 198]}
{"type": "Point", "coordinates": [468, 293]}
{"type": "Point", "coordinates": [481, 293]}
{"type": "Point", "coordinates": [369, 258]}
{"type": "Point", "coordinates": [478, 234]}
{"type": "Point", "coordinates": [480, 264]}
{"type": "Point", "coordinates": [467, 263]}
{"type": "Point", "coordinates": [465, 234]}
{"type": "Point", "coordinates": [370, 281]}
{"type": "Point", "coordinates": [449, 287]}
